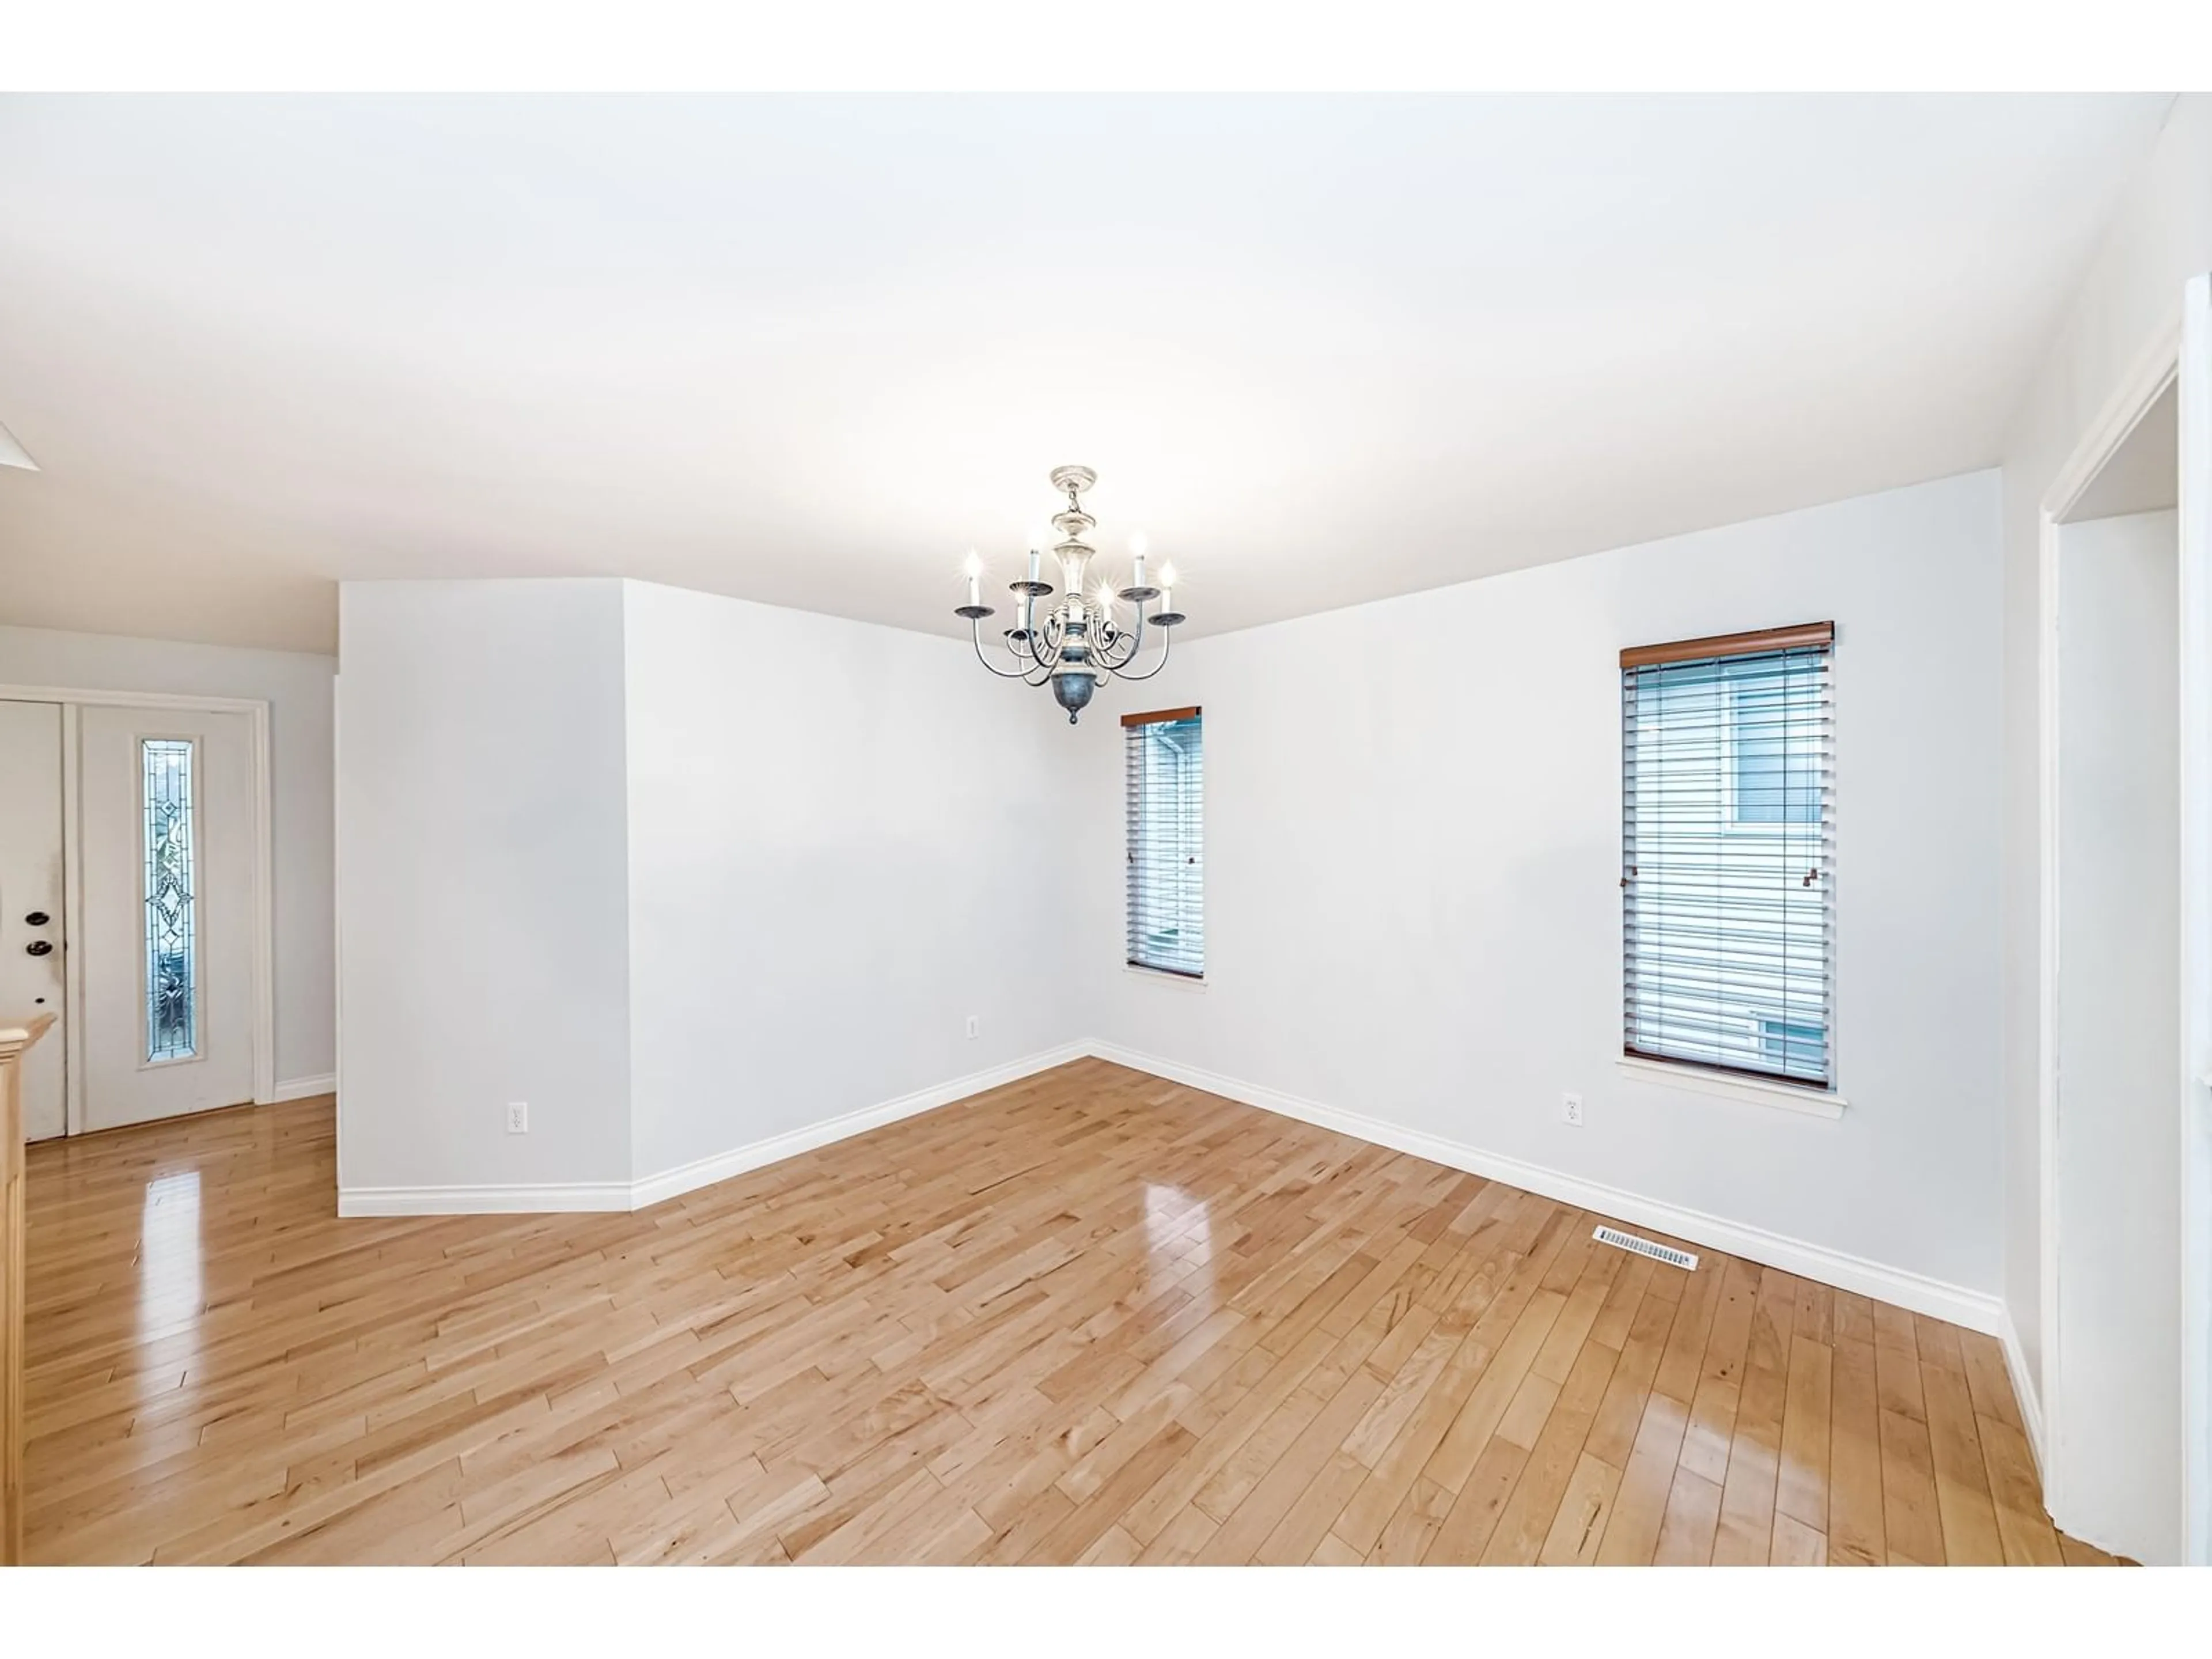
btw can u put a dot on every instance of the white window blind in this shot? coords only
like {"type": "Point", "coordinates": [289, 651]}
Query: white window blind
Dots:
{"type": "Point", "coordinates": [1728, 853]}
{"type": "Point", "coordinates": [1165, 787]}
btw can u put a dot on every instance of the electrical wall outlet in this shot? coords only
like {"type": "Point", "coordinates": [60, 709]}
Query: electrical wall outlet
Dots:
{"type": "Point", "coordinates": [518, 1117]}
{"type": "Point", "coordinates": [975, 1026]}
{"type": "Point", "coordinates": [1570, 1110]}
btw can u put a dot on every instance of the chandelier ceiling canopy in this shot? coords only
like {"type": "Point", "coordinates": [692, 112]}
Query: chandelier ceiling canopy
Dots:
{"type": "Point", "coordinates": [1081, 642]}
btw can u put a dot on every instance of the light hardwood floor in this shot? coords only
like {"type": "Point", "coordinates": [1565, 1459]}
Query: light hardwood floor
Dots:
{"type": "Point", "coordinates": [1088, 1318]}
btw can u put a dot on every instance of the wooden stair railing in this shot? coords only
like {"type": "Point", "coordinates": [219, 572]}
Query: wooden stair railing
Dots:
{"type": "Point", "coordinates": [14, 1040]}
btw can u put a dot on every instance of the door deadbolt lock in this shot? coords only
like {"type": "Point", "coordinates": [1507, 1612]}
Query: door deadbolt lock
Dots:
{"type": "Point", "coordinates": [39, 947]}
{"type": "Point", "coordinates": [37, 919]}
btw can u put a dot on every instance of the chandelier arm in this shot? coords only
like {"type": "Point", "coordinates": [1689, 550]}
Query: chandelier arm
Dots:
{"type": "Point", "coordinates": [1044, 643]}
{"type": "Point", "coordinates": [1127, 642]}
{"type": "Point", "coordinates": [1166, 646]}
{"type": "Point", "coordinates": [1038, 670]}
{"type": "Point", "coordinates": [975, 629]}
{"type": "Point", "coordinates": [1039, 616]}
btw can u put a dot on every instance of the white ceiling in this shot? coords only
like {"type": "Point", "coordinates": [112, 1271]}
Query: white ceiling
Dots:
{"type": "Point", "coordinates": [808, 349]}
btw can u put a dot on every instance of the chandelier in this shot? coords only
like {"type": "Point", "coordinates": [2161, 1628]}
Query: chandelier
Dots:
{"type": "Point", "coordinates": [1079, 644]}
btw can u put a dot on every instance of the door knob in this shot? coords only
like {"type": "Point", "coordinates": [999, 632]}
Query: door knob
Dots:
{"type": "Point", "coordinates": [39, 947]}
{"type": "Point", "coordinates": [37, 919]}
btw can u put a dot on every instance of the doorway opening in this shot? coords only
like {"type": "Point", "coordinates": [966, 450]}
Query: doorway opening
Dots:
{"type": "Point", "coordinates": [2114, 1083]}
{"type": "Point", "coordinates": [2125, 1093]}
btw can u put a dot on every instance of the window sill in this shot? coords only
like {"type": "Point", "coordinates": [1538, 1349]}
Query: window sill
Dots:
{"type": "Point", "coordinates": [1161, 976]}
{"type": "Point", "coordinates": [1814, 1103]}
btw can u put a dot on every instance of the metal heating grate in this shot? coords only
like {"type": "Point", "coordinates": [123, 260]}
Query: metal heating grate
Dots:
{"type": "Point", "coordinates": [1630, 1242]}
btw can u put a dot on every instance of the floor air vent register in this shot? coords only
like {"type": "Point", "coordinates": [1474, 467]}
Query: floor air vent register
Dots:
{"type": "Point", "coordinates": [1630, 1243]}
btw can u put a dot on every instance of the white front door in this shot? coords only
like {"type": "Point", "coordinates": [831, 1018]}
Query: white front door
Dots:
{"type": "Point", "coordinates": [31, 936]}
{"type": "Point", "coordinates": [168, 895]}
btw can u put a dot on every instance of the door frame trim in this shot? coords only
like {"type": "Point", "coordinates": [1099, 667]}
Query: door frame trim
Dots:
{"type": "Point", "coordinates": [263, 1000]}
{"type": "Point", "coordinates": [2146, 381]}
{"type": "Point", "coordinates": [2194, 467]}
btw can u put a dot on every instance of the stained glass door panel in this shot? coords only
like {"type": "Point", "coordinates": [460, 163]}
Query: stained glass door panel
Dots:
{"type": "Point", "coordinates": [172, 921]}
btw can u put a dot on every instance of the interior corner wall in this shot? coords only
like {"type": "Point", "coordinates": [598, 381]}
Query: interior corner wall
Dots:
{"type": "Point", "coordinates": [297, 687]}
{"type": "Point", "coordinates": [2159, 237]}
{"type": "Point", "coordinates": [482, 893]}
{"type": "Point", "coordinates": [1412, 861]}
{"type": "Point", "coordinates": [844, 841]}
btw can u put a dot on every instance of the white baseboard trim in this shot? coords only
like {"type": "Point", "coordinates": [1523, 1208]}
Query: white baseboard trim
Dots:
{"type": "Point", "coordinates": [2025, 1391]}
{"type": "Point", "coordinates": [702, 1172]}
{"type": "Point", "coordinates": [1953, 1302]}
{"type": "Point", "coordinates": [1959, 1306]}
{"type": "Point", "coordinates": [300, 1088]}
{"type": "Point", "coordinates": [483, 1200]}
{"type": "Point", "coordinates": [742, 1160]}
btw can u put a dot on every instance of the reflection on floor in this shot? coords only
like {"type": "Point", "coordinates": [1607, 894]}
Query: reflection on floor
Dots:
{"type": "Point", "coordinates": [1091, 1316]}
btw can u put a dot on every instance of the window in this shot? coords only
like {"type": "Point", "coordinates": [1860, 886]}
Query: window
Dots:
{"type": "Point", "coordinates": [1165, 763]}
{"type": "Point", "coordinates": [1773, 777]}
{"type": "Point", "coordinates": [171, 964]}
{"type": "Point", "coordinates": [1727, 905]}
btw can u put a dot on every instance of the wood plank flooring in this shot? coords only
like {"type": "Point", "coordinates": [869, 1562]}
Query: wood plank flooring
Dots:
{"type": "Point", "coordinates": [1091, 1316]}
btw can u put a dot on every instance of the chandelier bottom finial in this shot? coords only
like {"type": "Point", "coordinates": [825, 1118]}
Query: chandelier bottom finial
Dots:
{"type": "Point", "coordinates": [1072, 692]}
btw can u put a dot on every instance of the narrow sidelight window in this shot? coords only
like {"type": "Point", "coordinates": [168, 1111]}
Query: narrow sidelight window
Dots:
{"type": "Point", "coordinates": [172, 918]}
{"type": "Point", "coordinates": [1165, 762]}
{"type": "Point", "coordinates": [1727, 854]}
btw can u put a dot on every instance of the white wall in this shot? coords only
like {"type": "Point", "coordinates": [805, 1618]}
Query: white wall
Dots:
{"type": "Point", "coordinates": [2116, 1458]}
{"type": "Point", "coordinates": [1413, 858]}
{"type": "Point", "coordinates": [482, 886]}
{"type": "Point", "coordinates": [844, 840]}
{"type": "Point", "coordinates": [2161, 236]}
{"type": "Point", "coordinates": [686, 873]}
{"type": "Point", "coordinates": [297, 688]}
